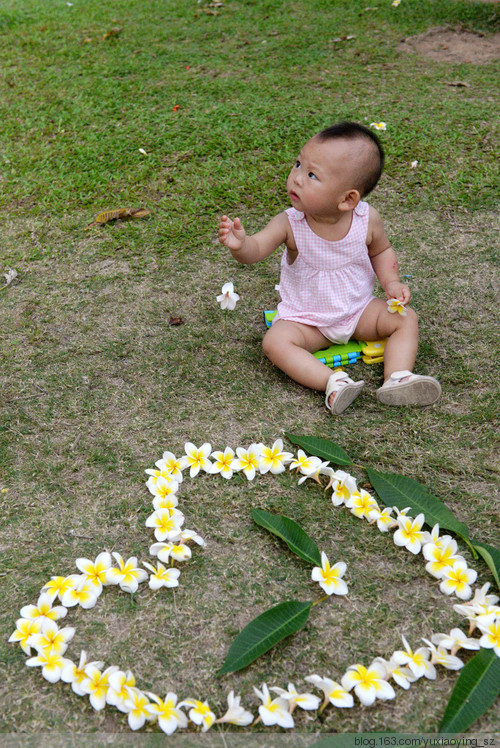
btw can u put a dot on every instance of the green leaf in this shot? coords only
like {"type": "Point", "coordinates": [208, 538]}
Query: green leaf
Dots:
{"type": "Point", "coordinates": [397, 490]}
{"type": "Point", "coordinates": [474, 692]}
{"type": "Point", "coordinates": [321, 448]}
{"type": "Point", "coordinates": [492, 557]}
{"type": "Point", "coordinates": [294, 536]}
{"type": "Point", "coordinates": [264, 632]}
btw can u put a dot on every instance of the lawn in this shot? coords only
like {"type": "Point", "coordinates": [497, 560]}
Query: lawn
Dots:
{"type": "Point", "coordinates": [191, 109]}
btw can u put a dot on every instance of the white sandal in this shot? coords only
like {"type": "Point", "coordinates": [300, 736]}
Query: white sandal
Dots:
{"type": "Point", "coordinates": [346, 391]}
{"type": "Point", "coordinates": [416, 390]}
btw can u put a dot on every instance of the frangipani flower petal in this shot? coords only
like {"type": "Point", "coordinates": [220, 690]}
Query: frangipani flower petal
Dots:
{"type": "Point", "coordinates": [228, 298]}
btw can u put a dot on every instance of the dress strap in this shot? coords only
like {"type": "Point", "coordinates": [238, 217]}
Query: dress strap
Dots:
{"type": "Point", "coordinates": [362, 208]}
{"type": "Point", "coordinates": [294, 215]}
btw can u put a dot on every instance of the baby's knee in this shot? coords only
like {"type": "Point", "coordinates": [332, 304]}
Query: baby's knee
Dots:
{"type": "Point", "coordinates": [268, 344]}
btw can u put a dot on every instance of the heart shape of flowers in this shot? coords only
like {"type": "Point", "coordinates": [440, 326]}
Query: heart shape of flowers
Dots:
{"type": "Point", "coordinates": [38, 627]}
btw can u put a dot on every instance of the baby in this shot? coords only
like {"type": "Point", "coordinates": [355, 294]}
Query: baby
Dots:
{"type": "Point", "coordinates": [335, 245]}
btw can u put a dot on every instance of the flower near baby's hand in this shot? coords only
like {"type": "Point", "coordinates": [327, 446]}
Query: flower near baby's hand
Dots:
{"type": "Point", "coordinates": [378, 125]}
{"type": "Point", "coordinates": [228, 298]}
{"type": "Point", "coordinates": [236, 714]}
{"type": "Point", "coordinates": [330, 577]}
{"type": "Point", "coordinates": [396, 306]}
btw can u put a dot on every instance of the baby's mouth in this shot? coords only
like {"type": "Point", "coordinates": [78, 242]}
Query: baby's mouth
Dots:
{"type": "Point", "coordinates": [294, 195]}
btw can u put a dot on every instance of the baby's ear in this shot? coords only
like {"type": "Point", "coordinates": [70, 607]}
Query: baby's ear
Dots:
{"type": "Point", "coordinates": [350, 199]}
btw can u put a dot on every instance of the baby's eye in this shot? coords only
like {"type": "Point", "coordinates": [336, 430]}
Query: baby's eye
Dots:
{"type": "Point", "coordinates": [297, 164]}
{"type": "Point", "coordinates": [312, 175]}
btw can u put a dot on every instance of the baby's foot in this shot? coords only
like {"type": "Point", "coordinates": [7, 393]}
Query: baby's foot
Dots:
{"type": "Point", "coordinates": [405, 388]}
{"type": "Point", "coordinates": [341, 390]}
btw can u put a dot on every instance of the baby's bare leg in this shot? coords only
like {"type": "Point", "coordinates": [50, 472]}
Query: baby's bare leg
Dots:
{"type": "Point", "coordinates": [289, 345]}
{"type": "Point", "coordinates": [402, 333]}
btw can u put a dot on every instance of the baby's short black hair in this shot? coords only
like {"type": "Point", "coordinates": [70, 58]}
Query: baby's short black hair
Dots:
{"type": "Point", "coordinates": [368, 173]}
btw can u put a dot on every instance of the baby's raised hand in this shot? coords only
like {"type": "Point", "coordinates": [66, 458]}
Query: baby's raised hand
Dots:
{"type": "Point", "coordinates": [231, 233]}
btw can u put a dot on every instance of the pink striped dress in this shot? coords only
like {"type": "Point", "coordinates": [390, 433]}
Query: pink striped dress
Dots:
{"type": "Point", "coordinates": [330, 283]}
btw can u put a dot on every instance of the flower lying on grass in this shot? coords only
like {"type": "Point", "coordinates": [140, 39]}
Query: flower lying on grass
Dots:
{"type": "Point", "coordinates": [200, 714]}
{"type": "Point", "coordinates": [236, 714]}
{"type": "Point", "coordinates": [457, 580]}
{"type": "Point", "coordinates": [197, 458]}
{"type": "Point", "coordinates": [418, 662]}
{"type": "Point", "coordinates": [368, 683]}
{"type": "Point", "coordinates": [166, 711]}
{"type": "Point", "coordinates": [378, 125]}
{"type": "Point", "coordinates": [330, 577]}
{"type": "Point", "coordinates": [303, 700]}
{"type": "Point", "coordinates": [228, 298]}
{"type": "Point", "coordinates": [248, 460]}
{"type": "Point", "coordinates": [334, 693]}
{"type": "Point", "coordinates": [161, 576]}
{"type": "Point", "coordinates": [128, 575]}
{"type": "Point", "coordinates": [76, 675]}
{"type": "Point", "coordinates": [223, 463]}
{"type": "Point", "coordinates": [273, 711]}
{"type": "Point", "coordinates": [274, 459]}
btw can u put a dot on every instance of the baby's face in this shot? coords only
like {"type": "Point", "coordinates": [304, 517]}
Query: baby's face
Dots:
{"type": "Point", "coordinates": [321, 176]}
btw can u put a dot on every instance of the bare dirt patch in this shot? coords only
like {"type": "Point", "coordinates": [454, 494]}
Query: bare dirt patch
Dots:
{"type": "Point", "coordinates": [445, 44]}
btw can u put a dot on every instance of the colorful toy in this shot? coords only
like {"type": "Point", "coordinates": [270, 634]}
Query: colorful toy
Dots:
{"type": "Point", "coordinates": [338, 355]}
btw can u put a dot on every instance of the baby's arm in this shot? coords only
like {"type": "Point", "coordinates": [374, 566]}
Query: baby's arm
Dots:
{"type": "Point", "coordinates": [384, 260]}
{"type": "Point", "coordinates": [250, 249]}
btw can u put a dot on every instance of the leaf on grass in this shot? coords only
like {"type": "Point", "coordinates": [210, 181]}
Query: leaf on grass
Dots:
{"type": "Point", "coordinates": [294, 536]}
{"type": "Point", "coordinates": [321, 448]}
{"type": "Point", "coordinates": [123, 213]}
{"type": "Point", "coordinates": [175, 320]}
{"type": "Point", "coordinates": [397, 490]}
{"type": "Point", "coordinates": [264, 632]}
{"type": "Point", "coordinates": [475, 690]}
{"type": "Point", "coordinates": [492, 557]}
{"type": "Point", "coordinates": [459, 84]}
{"type": "Point", "coordinates": [115, 31]}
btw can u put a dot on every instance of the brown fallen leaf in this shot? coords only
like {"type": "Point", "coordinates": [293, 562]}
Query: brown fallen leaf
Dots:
{"type": "Point", "coordinates": [462, 84]}
{"type": "Point", "coordinates": [119, 213]}
{"type": "Point", "coordinates": [115, 31]}
{"type": "Point", "coordinates": [175, 320]}
{"type": "Point", "coordinates": [343, 38]}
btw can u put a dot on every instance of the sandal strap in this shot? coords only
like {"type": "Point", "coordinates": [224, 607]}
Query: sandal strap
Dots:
{"type": "Point", "coordinates": [337, 380]}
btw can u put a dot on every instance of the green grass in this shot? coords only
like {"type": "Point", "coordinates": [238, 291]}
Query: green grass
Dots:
{"type": "Point", "coordinates": [96, 384]}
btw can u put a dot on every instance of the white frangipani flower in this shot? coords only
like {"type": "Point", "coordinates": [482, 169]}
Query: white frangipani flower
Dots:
{"type": "Point", "coordinates": [117, 693]}
{"type": "Point", "coordinates": [197, 458]}
{"type": "Point", "coordinates": [165, 523]}
{"type": "Point", "coordinates": [343, 486]}
{"type": "Point", "coordinates": [273, 711]}
{"type": "Point", "coordinates": [440, 552]}
{"type": "Point", "coordinates": [361, 504]}
{"type": "Point", "coordinates": [368, 683]}
{"type": "Point", "coordinates": [169, 465]}
{"type": "Point", "coordinates": [200, 713]}
{"type": "Point", "coordinates": [440, 656]}
{"type": "Point", "coordinates": [128, 575]}
{"type": "Point", "coordinates": [96, 684]}
{"type": "Point", "coordinates": [304, 464]}
{"type": "Point", "coordinates": [455, 640]}
{"type": "Point", "coordinates": [173, 549]}
{"type": "Point", "coordinates": [383, 517]}
{"type": "Point", "coordinates": [490, 629]}
{"type": "Point", "coordinates": [410, 534]}
{"type": "Point", "coordinates": [457, 580]}
{"type": "Point", "coordinates": [303, 700]}
{"type": "Point", "coordinates": [236, 714]}
{"type": "Point", "coordinates": [186, 535]}
{"type": "Point", "coordinates": [52, 664]}
{"type": "Point", "coordinates": [228, 298]}
{"type": "Point", "coordinates": [43, 609]}
{"type": "Point", "coordinates": [25, 629]}
{"type": "Point", "coordinates": [136, 705]}
{"type": "Point", "coordinates": [76, 675]}
{"type": "Point", "coordinates": [51, 638]}
{"type": "Point", "coordinates": [418, 661]}
{"type": "Point", "coordinates": [162, 576]}
{"type": "Point", "coordinates": [166, 711]}
{"type": "Point", "coordinates": [95, 571]}
{"type": "Point", "coordinates": [403, 676]}
{"type": "Point", "coordinates": [330, 577]}
{"type": "Point", "coordinates": [163, 487]}
{"type": "Point", "coordinates": [248, 460]}
{"type": "Point", "coordinates": [320, 469]}
{"type": "Point", "coordinates": [223, 463]}
{"type": "Point", "coordinates": [274, 459]}
{"type": "Point", "coordinates": [83, 593]}
{"type": "Point", "coordinates": [57, 586]}
{"type": "Point", "coordinates": [334, 693]}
